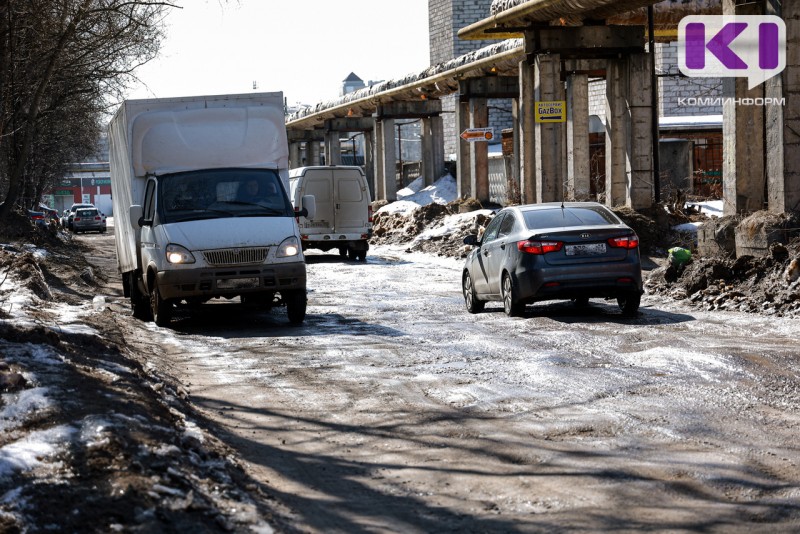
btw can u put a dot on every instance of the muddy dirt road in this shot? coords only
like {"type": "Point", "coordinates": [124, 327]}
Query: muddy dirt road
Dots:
{"type": "Point", "coordinates": [393, 410]}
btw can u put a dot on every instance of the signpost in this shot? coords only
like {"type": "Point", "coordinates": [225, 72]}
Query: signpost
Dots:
{"type": "Point", "coordinates": [551, 111]}
{"type": "Point", "coordinates": [477, 134]}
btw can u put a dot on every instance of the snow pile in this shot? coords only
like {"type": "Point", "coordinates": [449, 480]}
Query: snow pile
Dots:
{"type": "Point", "coordinates": [430, 219]}
{"type": "Point", "coordinates": [81, 425]}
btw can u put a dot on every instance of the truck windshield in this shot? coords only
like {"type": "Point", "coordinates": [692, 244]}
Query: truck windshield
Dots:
{"type": "Point", "coordinates": [220, 193]}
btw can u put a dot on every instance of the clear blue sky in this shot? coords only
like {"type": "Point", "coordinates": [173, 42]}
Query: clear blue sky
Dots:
{"type": "Point", "coordinates": [305, 48]}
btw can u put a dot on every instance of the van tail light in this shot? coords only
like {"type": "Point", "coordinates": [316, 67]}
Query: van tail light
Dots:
{"type": "Point", "coordinates": [369, 214]}
{"type": "Point", "coordinates": [628, 241]}
{"type": "Point", "coordinates": [539, 247]}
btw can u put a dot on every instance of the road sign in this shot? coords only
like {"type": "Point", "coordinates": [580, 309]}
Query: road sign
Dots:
{"type": "Point", "coordinates": [477, 134]}
{"type": "Point", "coordinates": [551, 111]}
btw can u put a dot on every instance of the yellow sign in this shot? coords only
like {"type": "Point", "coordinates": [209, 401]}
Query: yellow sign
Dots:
{"type": "Point", "coordinates": [551, 111]}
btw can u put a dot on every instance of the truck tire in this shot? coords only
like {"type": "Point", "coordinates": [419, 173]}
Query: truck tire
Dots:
{"type": "Point", "coordinates": [162, 309]}
{"type": "Point", "coordinates": [139, 302]}
{"type": "Point", "coordinates": [296, 303]}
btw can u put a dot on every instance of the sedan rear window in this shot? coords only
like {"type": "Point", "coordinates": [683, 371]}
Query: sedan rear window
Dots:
{"type": "Point", "coordinates": [569, 216]}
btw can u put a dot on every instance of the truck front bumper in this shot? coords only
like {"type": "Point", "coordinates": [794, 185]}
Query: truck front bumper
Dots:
{"type": "Point", "coordinates": [229, 282]}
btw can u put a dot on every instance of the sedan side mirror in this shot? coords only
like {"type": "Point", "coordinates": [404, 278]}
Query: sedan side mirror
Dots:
{"type": "Point", "coordinates": [471, 239]}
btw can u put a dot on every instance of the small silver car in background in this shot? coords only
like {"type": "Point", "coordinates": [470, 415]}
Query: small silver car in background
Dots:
{"type": "Point", "coordinates": [88, 220]}
{"type": "Point", "coordinates": [552, 251]}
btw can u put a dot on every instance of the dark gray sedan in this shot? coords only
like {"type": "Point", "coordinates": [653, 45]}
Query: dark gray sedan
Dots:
{"type": "Point", "coordinates": [552, 251]}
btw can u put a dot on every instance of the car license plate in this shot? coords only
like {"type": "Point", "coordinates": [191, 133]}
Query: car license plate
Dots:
{"type": "Point", "coordinates": [237, 283]}
{"type": "Point", "coordinates": [589, 249]}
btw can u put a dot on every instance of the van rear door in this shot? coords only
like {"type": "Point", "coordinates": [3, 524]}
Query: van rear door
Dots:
{"type": "Point", "coordinates": [319, 182]}
{"type": "Point", "coordinates": [351, 201]}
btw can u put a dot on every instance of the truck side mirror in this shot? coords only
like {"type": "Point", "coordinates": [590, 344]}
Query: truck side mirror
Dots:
{"type": "Point", "coordinates": [309, 203]}
{"type": "Point", "coordinates": [135, 216]}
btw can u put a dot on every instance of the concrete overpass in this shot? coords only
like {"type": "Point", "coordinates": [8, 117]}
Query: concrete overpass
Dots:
{"type": "Point", "coordinates": [550, 49]}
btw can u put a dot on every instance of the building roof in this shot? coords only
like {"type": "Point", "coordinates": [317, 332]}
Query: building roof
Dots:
{"type": "Point", "coordinates": [353, 78]}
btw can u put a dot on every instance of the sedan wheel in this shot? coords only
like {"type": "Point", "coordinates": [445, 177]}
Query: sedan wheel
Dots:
{"type": "Point", "coordinates": [581, 302]}
{"type": "Point", "coordinates": [470, 298]}
{"type": "Point", "coordinates": [629, 303]}
{"type": "Point", "coordinates": [511, 304]}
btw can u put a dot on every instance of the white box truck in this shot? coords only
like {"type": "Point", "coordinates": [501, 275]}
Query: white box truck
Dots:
{"type": "Point", "coordinates": [201, 209]}
{"type": "Point", "coordinates": [343, 216]}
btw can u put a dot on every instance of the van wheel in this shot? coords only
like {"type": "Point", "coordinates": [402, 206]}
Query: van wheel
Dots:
{"type": "Point", "coordinates": [162, 309]}
{"type": "Point", "coordinates": [296, 303]}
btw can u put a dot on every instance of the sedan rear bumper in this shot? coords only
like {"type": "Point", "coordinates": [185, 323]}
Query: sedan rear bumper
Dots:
{"type": "Point", "coordinates": [582, 281]}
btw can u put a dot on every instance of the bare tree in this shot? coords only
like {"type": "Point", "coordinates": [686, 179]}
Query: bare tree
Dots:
{"type": "Point", "coordinates": [64, 60]}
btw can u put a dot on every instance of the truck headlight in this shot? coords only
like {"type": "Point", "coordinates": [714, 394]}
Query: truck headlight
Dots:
{"type": "Point", "coordinates": [178, 254]}
{"type": "Point", "coordinates": [289, 247]}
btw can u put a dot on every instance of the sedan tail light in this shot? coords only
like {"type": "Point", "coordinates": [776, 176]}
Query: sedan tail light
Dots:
{"type": "Point", "coordinates": [628, 241]}
{"type": "Point", "coordinates": [539, 247]}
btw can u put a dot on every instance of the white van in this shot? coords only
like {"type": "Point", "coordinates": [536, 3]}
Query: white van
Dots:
{"type": "Point", "coordinates": [343, 218]}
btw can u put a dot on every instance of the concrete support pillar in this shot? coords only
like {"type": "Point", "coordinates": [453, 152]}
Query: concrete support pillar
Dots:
{"type": "Point", "coordinates": [526, 124]}
{"type": "Point", "coordinates": [313, 153]}
{"type": "Point", "coordinates": [512, 161]}
{"type": "Point", "coordinates": [617, 133]}
{"type": "Point", "coordinates": [479, 151]}
{"type": "Point", "coordinates": [578, 173]}
{"type": "Point", "coordinates": [742, 149]}
{"type": "Point", "coordinates": [380, 190]}
{"type": "Point", "coordinates": [333, 148]}
{"type": "Point", "coordinates": [432, 149]}
{"type": "Point", "coordinates": [295, 157]}
{"type": "Point", "coordinates": [386, 159]}
{"type": "Point", "coordinates": [463, 150]}
{"type": "Point", "coordinates": [549, 136]}
{"type": "Point", "coordinates": [640, 186]}
{"type": "Point", "coordinates": [783, 121]}
{"type": "Point", "coordinates": [743, 170]}
{"type": "Point", "coordinates": [369, 161]}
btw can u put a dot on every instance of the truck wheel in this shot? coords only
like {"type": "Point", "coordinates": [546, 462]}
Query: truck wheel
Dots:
{"type": "Point", "coordinates": [162, 309]}
{"type": "Point", "coordinates": [139, 302]}
{"type": "Point", "coordinates": [296, 303]}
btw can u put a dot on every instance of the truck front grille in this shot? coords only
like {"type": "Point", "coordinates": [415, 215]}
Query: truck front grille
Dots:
{"type": "Point", "coordinates": [235, 256]}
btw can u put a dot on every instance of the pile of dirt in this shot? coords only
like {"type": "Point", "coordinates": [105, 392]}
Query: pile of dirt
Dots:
{"type": "Point", "coordinates": [423, 230]}
{"type": "Point", "coordinates": [134, 460]}
{"type": "Point", "coordinates": [731, 269]}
